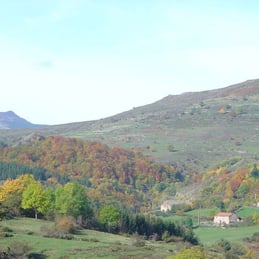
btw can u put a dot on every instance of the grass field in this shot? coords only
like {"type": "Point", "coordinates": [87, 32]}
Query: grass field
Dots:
{"type": "Point", "coordinates": [85, 244]}
{"type": "Point", "coordinates": [207, 213]}
{"type": "Point", "coordinates": [210, 235]}
{"type": "Point", "coordinates": [94, 244]}
{"type": "Point", "coordinates": [248, 211]}
{"type": "Point", "coordinates": [203, 213]}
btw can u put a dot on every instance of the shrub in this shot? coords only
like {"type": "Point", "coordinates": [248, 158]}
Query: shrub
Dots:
{"type": "Point", "coordinates": [93, 240]}
{"type": "Point", "coordinates": [138, 240]}
{"type": "Point", "coordinates": [5, 232]}
{"type": "Point", "coordinates": [64, 228]}
{"type": "Point", "coordinates": [5, 229]}
{"type": "Point", "coordinates": [193, 252]}
{"type": "Point", "coordinates": [165, 236]}
{"type": "Point", "coordinates": [36, 256]}
{"type": "Point", "coordinates": [65, 225]}
{"type": "Point", "coordinates": [224, 244]}
{"type": "Point", "coordinates": [18, 249]}
{"type": "Point", "coordinates": [255, 237]}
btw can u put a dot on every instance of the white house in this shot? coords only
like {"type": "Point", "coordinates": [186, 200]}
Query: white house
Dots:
{"type": "Point", "coordinates": [167, 205]}
{"type": "Point", "coordinates": [225, 218]}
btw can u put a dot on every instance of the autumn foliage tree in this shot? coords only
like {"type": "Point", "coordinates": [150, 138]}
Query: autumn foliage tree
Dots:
{"type": "Point", "coordinates": [11, 194]}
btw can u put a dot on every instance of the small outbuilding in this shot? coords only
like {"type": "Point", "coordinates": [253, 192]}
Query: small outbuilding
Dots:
{"type": "Point", "coordinates": [225, 218]}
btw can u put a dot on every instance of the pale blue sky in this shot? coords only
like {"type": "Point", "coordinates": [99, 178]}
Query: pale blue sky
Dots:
{"type": "Point", "coordinates": [77, 60]}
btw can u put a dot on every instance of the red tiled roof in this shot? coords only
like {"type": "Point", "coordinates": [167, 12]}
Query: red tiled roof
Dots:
{"type": "Point", "coordinates": [224, 214]}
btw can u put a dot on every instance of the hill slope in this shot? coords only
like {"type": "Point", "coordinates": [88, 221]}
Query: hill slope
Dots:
{"type": "Point", "coordinates": [10, 120]}
{"type": "Point", "coordinates": [114, 175]}
{"type": "Point", "coordinates": [194, 130]}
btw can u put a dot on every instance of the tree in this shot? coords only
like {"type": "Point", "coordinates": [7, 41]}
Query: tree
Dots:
{"type": "Point", "coordinates": [34, 197]}
{"type": "Point", "coordinates": [242, 190]}
{"type": "Point", "coordinates": [220, 205]}
{"type": "Point", "coordinates": [12, 186]}
{"type": "Point", "coordinates": [71, 200]}
{"type": "Point", "coordinates": [255, 172]}
{"type": "Point", "coordinates": [11, 194]}
{"type": "Point", "coordinates": [109, 216]}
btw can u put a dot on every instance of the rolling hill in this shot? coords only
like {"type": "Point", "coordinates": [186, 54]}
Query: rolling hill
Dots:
{"type": "Point", "coordinates": [195, 130]}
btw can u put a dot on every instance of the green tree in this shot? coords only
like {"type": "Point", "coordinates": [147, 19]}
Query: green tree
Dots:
{"type": "Point", "coordinates": [109, 216]}
{"type": "Point", "coordinates": [255, 172]}
{"type": "Point", "coordinates": [50, 210]}
{"type": "Point", "coordinates": [34, 197]}
{"type": "Point", "coordinates": [11, 205]}
{"type": "Point", "coordinates": [71, 200]}
{"type": "Point", "coordinates": [242, 190]}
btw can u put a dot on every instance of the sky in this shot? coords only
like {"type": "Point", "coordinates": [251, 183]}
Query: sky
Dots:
{"type": "Point", "coordinates": [64, 61]}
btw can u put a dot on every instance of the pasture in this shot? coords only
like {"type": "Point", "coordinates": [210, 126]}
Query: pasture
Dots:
{"type": "Point", "coordinates": [84, 244]}
{"type": "Point", "coordinates": [210, 235]}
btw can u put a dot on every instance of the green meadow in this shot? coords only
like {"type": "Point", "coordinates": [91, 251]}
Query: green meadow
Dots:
{"type": "Point", "coordinates": [84, 244]}
{"type": "Point", "coordinates": [210, 235]}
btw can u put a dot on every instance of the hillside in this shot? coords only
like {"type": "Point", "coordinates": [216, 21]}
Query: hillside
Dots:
{"type": "Point", "coordinates": [111, 174]}
{"type": "Point", "coordinates": [10, 120]}
{"type": "Point", "coordinates": [194, 130]}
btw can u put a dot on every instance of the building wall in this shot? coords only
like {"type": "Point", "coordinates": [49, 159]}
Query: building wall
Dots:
{"type": "Point", "coordinates": [233, 218]}
{"type": "Point", "coordinates": [227, 219]}
{"type": "Point", "coordinates": [221, 220]}
{"type": "Point", "coordinates": [165, 207]}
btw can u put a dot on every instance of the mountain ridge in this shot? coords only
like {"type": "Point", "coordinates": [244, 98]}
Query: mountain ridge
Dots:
{"type": "Point", "coordinates": [220, 124]}
{"type": "Point", "coordinates": [10, 120]}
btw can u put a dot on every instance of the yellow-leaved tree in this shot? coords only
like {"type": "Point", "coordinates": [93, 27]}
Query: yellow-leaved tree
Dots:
{"type": "Point", "coordinates": [11, 194]}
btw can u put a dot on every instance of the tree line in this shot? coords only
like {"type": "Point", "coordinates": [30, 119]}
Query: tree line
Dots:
{"type": "Point", "coordinates": [28, 197]}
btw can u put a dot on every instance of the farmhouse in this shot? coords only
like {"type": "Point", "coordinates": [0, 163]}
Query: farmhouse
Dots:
{"type": "Point", "coordinates": [225, 218]}
{"type": "Point", "coordinates": [167, 205]}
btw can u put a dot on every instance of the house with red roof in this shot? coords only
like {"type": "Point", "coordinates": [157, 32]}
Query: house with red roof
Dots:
{"type": "Point", "coordinates": [225, 218]}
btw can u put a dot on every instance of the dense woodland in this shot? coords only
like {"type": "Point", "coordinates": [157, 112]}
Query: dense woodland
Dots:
{"type": "Point", "coordinates": [228, 189]}
{"type": "Point", "coordinates": [125, 177]}
{"type": "Point", "coordinates": [111, 174]}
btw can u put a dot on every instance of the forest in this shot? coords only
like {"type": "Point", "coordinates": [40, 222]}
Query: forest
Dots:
{"type": "Point", "coordinates": [112, 174]}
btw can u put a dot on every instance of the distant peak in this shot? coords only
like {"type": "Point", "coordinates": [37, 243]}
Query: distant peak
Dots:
{"type": "Point", "coordinates": [10, 120]}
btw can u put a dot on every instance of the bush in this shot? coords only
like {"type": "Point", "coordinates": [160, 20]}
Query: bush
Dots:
{"type": "Point", "coordinates": [138, 240]}
{"type": "Point", "coordinates": [64, 228]}
{"type": "Point", "coordinates": [255, 237]}
{"type": "Point", "coordinates": [224, 244]}
{"type": "Point", "coordinates": [95, 240]}
{"type": "Point", "coordinates": [5, 229]}
{"type": "Point", "coordinates": [18, 249]}
{"type": "Point", "coordinates": [36, 256]}
{"type": "Point", "coordinates": [165, 236]}
{"type": "Point", "coordinates": [193, 252]}
{"type": "Point", "coordinates": [5, 232]}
